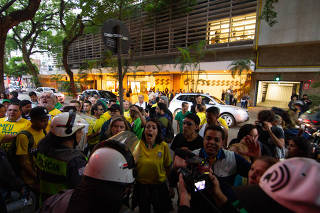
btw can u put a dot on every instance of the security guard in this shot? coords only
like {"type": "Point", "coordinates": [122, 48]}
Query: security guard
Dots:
{"type": "Point", "coordinates": [60, 162]}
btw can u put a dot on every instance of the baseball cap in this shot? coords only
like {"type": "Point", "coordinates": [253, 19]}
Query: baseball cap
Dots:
{"type": "Point", "coordinates": [114, 107]}
{"type": "Point", "coordinates": [289, 185]}
{"type": "Point", "coordinates": [39, 112]}
{"type": "Point", "coordinates": [6, 100]}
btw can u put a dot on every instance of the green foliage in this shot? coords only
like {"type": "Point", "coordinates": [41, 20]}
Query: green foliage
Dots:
{"type": "Point", "coordinates": [15, 67]}
{"type": "Point", "coordinates": [189, 60]}
{"type": "Point", "coordinates": [268, 13]}
{"type": "Point", "coordinates": [157, 6]}
{"type": "Point", "coordinates": [238, 66]}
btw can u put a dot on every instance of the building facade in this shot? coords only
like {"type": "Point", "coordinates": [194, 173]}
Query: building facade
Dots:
{"type": "Point", "coordinates": [227, 27]}
{"type": "Point", "coordinates": [288, 53]}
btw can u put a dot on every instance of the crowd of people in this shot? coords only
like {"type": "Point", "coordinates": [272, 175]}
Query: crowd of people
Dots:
{"type": "Point", "coordinates": [68, 156]}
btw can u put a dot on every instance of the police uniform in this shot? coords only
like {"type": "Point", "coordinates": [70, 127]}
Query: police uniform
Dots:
{"type": "Point", "coordinates": [60, 168]}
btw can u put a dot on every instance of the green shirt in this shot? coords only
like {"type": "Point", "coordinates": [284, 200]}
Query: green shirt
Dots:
{"type": "Point", "coordinates": [180, 117]}
{"type": "Point", "coordinates": [137, 128]}
{"type": "Point", "coordinates": [58, 105]}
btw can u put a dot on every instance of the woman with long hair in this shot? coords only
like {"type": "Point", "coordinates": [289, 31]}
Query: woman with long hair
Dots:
{"type": "Point", "coordinates": [152, 167]}
{"type": "Point", "coordinates": [117, 125]}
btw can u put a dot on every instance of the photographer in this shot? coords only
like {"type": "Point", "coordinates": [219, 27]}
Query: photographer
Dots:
{"type": "Point", "coordinates": [225, 164]}
{"type": "Point", "coordinates": [270, 136]}
{"type": "Point", "coordinates": [295, 190]}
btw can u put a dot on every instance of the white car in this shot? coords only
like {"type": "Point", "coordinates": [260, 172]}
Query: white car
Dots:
{"type": "Point", "coordinates": [231, 114]}
{"type": "Point", "coordinates": [40, 90]}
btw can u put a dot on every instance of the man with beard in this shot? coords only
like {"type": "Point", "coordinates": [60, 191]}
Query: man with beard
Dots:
{"type": "Point", "coordinates": [48, 100]}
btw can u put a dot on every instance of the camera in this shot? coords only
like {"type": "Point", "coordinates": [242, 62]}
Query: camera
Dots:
{"type": "Point", "coordinates": [196, 174]}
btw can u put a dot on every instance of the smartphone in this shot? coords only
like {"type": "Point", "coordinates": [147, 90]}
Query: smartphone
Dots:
{"type": "Point", "coordinates": [200, 185]}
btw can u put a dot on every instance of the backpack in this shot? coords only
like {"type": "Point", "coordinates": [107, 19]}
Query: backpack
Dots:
{"type": "Point", "coordinates": [13, 158]}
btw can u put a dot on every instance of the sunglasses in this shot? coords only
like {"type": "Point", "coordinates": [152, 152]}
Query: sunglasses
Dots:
{"type": "Point", "coordinates": [188, 123]}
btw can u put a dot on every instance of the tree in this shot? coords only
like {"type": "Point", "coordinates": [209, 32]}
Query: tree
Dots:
{"type": "Point", "coordinates": [189, 61]}
{"type": "Point", "coordinates": [10, 17]}
{"type": "Point", "coordinates": [16, 68]}
{"type": "Point", "coordinates": [32, 36]}
{"type": "Point", "coordinates": [269, 14]}
{"type": "Point", "coordinates": [238, 66]}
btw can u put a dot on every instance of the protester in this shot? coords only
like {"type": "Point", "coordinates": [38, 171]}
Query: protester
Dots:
{"type": "Point", "coordinates": [27, 142]}
{"type": "Point", "coordinates": [189, 138]}
{"type": "Point", "coordinates": [293, 98]}
{"type": "Point", "coordinates": [270, 136]}
{"type": "Point", "coordinates": [118, 124]}
{"type": "Point", "coordinates": [97, 111]}
{"type": "Point", "coordinates": [180, 116]}
{"type": "Point", "coordinates": [299, 147]}
{"type": "Point", "coordinates": [34, 99]}
{"type": "Point", "coordinates": [25, 108]}
{"type": "Point", "coordinates": [213, 119]}
{"type": "Point", "coordinates": [225, 164]}
{"type": "Point", "coordinates": [60, 163]}
{"type": "Point", "coordinates": [11, 125]}
{"type": "Point", "coordinates": [126, 111]}
{"type": "Point", "coordinates": [6, 103]}
{"type": "Point", "coordinates": [87, 107]}
{"type": "Point", "coordinates": [114, 112]}
{"type": "Point", "coordinates": [197, 100]}
{"type": "Point", "coordinates": [307, 103]}
{"type": "Point", "coordinates": [3, 111]}
{"type": "Point", "coordinates": [295, 190]}
{"type": "Point", "coordinates": [138, 119]}
{"type": "Point", "coordinates": [141, 103]}
{"type": "Point", "coordinates": [165, 122]}
{"type": "Point", "coordinates": [153, 165]}
{"type": "Point", "coordinates": [3, 96]}
{"type": "Point", "coordinates": [76, 104]}
{"type": "Point", "coordinates": [258, 168]}
{"type": "Point", "coordinates": [201, 113]}
{"type": "Point", "coordinates": [13, 96]}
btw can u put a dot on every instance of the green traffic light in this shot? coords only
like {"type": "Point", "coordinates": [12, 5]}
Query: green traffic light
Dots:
{"type": "Point", "coordinates": [277, 78]}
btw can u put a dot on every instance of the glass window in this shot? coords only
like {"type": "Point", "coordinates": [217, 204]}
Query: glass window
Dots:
{"type": "Point", "coordinates": [205, 99]}
{"type": "Point", "coordinates": [182, 98]}
{"type": "Point", "coordinates": [232, 29]}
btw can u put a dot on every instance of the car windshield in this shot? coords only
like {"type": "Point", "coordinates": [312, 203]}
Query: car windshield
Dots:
{"type": "Point", "coordinates": [106, 94]}
{"type": "Point", "coordinates": [217, 100]}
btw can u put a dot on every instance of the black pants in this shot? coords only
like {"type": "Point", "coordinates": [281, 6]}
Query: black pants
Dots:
{"type": "Point", "coordinates": [156, 195]}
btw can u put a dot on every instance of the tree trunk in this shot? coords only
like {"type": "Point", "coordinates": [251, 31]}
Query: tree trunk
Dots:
{"type": "Point", "coordinates": [65, 51]}
{"type": "Point", "coordinates": [3, 35]}
{"type": "Point", "coordinates": [9, 21]}
{"type": "Point", "coordinates": [33, 70]}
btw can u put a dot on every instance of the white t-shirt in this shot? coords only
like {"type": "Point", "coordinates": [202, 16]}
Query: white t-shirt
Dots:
{"type": "Point", "coordinates": [143, 105]}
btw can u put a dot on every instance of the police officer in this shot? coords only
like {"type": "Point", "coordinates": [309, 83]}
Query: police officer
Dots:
{"type": "Point", "coordinates": [107, 179]}
{"type": "Point", "coordinates": [60, 162]}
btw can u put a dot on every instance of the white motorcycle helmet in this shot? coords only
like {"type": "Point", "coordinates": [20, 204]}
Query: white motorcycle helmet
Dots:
{"type": "Point", "coordinates": [66, 124]}
{"type": "Point", "coordinates": [111, 164]}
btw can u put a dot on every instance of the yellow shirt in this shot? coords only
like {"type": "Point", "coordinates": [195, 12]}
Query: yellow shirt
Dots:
{"type": "Point", "coordinates": [223, 123]}
{"type": "Point", "coordinates": [22, 143]}
{"type": "Point", "coordinates": [12, 128]}
{"type": "Point", "coordinates": [127, 116]}
{"type": "Point", "coordinates": [96, 127]}
{"type": "Point", "coordinates": [152, 163]}
{"type": "Point", "coordinates": [202, 117]}
{"type": "Point", "coordinates": [106, 115]}
{"type": "Point", "coordinates": [52, 113]}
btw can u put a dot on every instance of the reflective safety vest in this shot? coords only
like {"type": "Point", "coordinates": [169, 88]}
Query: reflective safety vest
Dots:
{"type": "Point", "coordinates": [53, 170]}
